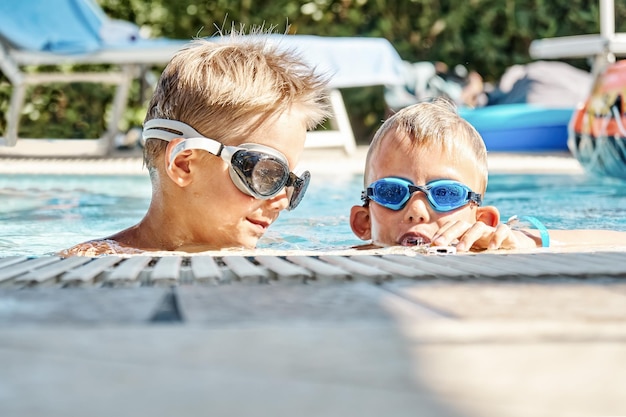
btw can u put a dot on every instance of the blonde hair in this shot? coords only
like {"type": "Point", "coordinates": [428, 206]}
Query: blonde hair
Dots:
{"type": "Point", "coordinates": [434, 125]}
{"type": "Point", "coordinates": [228, 86]}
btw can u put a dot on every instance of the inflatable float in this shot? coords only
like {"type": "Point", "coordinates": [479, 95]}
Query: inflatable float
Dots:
{"type": "Point", "coordinates": [597, 132]}
{"type": "Point", "coordinates": [521, 127]}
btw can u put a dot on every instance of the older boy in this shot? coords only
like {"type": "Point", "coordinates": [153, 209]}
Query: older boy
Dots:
{"type": "Point", "coordinates": [223, 132]}
{"type": "Point", "coordinates": [425, 178]}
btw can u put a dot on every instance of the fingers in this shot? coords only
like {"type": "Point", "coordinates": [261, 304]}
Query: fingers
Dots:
{"type": "Point", "coordinates": [462, 233]}
{"type": "Point", "coordinates": [477, 236]}
{"type": "Point", "coordinates": [500, 238]}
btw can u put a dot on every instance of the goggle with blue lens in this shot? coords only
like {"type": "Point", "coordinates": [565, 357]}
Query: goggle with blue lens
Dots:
{"type": "Point", "coordinates": [442, 195]}
{"type": "Point", "coordinates": [256, 170]}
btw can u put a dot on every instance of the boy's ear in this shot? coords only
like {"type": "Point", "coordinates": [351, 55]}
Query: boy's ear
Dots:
{"type": "Point", "coordinates": [488, 215]}
{"type": "Point", "coordinates": [360, 222]}
{"type": "Point", "coordinates": [179, 169]}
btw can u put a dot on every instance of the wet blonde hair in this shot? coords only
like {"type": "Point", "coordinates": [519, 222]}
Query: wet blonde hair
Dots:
{"type": "Point", "coordinates": [433, 125]}
{"type": "Point", "coordinates": [229, 85]}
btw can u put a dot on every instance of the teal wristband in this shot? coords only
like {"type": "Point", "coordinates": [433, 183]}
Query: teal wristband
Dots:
{"type": "Point", "coordinates": [516, 222]}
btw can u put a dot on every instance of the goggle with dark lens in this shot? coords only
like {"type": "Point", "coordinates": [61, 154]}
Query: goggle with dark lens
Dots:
{"type": "Point", "coordinates": [442, 195]}
{"type": "Point", "coordinates": [256, 170]}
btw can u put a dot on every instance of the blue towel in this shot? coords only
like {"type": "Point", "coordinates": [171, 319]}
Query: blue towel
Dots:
{"type": "Point", "coordinates": [62, 26]}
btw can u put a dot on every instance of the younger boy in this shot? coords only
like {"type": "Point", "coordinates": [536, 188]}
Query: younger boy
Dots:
{"type": "Point", "coordinates": [223, 132]}
{"type": "Point", "coordinates": [425, 179]}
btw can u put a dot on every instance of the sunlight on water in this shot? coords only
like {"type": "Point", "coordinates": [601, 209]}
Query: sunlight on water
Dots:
{"type": "Point", "coordinates": [42, 214]}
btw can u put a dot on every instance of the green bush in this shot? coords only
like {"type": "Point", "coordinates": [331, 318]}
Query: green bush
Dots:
{"type": "Point", "coordinates": [484, 35]}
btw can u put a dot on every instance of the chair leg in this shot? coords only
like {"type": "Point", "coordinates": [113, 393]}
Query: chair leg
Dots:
{"type": "Point", "coordinates": [13, 118]}
{"type": "Point", "coordinates": [119, 106]}
{"type": "Point", "coordinates": [342, 121]}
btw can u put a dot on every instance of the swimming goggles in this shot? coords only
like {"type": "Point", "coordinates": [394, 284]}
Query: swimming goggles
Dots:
{"type": "Point", "coordinates": [256, 170]}
{"type": "Point", "coordinates": [443, 195]}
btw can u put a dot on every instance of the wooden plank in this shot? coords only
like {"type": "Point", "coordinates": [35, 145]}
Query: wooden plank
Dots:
{"type": "Point", "coordinates": [357, 270]}
{"type": "Point", "coordinates": [392, 267]}
{"type": "Point", "coordinates": [514, 265]}
{"type": "Point", "coordinates": [552, 264]}
{"type": "Point", "coordinates": [595, 264]}
{"type": "Point", "coordinates": [87, 274]}
{"type": "Point", "coordinates": [322, 271]}
{"type": "Point", "coordinates": [284, 270]}
{"type": "Point", "coordinates": [204, 270]}
{"type": "Point", "coordinates": [128, 271]}
{"type": "Point", "coordinates": [245, 270]}
{"type": "Point", "coordinates": [166, 271]}
{"type": "Point", "coordinates": [11, 260]}
{"type": "Point", "coordinates": [24, 267]}
{"type": "Point", "coordinates": [611, 263]}
{"type": "Point", "coordinates": [479, 265]}
{"type": "Point", "coordinates": [52, 270]}
{"type": "Point", "coordinates": [425, 264]}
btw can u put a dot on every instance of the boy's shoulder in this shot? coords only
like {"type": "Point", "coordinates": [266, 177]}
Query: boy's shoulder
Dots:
{"type": "Point", "coordinates": [99, 247]}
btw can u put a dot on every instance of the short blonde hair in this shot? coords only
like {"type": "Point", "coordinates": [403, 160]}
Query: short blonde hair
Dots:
{"type": "Point", "coordinates": [227, 86]}
{"type": "Point", "coordinates": [434, 125]}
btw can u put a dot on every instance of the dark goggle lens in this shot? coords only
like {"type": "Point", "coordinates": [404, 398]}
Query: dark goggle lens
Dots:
{"type": "Point", "coordinates": [269, 177]}
{"type": "Point", "coordinates": [264, 175]}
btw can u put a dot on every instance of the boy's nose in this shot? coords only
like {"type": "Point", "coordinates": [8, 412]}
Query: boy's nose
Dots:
{"type": "Point", "coordinates": [417, 209]}
{"type": "Point", "coordinates": [280, 201]}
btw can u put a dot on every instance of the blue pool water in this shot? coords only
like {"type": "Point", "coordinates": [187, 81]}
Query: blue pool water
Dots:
{"type": "Point", "coordinates": [41, 214]}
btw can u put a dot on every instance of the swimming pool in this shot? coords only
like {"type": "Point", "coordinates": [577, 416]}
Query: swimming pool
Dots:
{"type": "Point", "coordinates": [41, 214]}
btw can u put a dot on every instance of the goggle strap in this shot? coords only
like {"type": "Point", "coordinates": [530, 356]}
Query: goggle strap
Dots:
{"type": "Point", "coordinates": [475, 197]}
{"type": "Point", "coordinates": [201, 143]}
{"type": "Point", "coordinates": [365, 194]}
{"type": "Point", "coordinates": [167, 130]}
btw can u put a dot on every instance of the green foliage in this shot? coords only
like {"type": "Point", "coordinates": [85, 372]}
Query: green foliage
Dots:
{"type": "Point", "coordinates": [485, 35]}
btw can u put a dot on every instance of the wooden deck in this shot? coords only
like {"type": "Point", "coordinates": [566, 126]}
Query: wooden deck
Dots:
{"type": "Point", "coordinates": [326, 334]}
{"type": "Point", "coordinates": [117, 271]}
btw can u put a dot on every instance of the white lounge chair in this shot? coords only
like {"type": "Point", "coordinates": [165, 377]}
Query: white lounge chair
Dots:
{"type": "Point", "coordinates": [350, 62]}
{"type": "Point", "coordinates": [603, 47]}
{"type": "Point", "coordinates": [55, 32]}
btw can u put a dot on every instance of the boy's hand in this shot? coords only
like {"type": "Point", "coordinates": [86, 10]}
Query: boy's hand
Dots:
{"type": "Point", "coordinates": [479, 236]}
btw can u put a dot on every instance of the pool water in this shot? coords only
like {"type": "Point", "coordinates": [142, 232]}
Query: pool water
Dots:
{"type": "Point", "coordinates": [41, 214]}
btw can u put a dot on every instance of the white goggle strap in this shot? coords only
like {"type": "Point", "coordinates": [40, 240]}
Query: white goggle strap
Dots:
{"type": "Point", "coordinates": [201, 143]}
{"type": "Point", "coordinates": [167, 130]}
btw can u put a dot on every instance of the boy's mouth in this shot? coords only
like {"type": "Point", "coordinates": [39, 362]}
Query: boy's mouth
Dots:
{"type": "Point", "coordinates": [413, 239]}
{"type": "Point", "coordinates": [260, 223]}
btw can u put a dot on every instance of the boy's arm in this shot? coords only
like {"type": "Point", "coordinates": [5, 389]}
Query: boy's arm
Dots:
{"type": "Point", "coordinates": [587, 238]}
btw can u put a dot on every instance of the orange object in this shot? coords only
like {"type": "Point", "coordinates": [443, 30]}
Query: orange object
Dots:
{"type": "Point", "coordinates": [597, 131]}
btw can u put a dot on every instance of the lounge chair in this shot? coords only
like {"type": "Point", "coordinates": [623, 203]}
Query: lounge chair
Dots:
{"type": "Point", "coordinates": [350, 62]}
{"type": "Point", "coordinates": [57, 32]}
{"type": "Point", "coordinates": [54, 32]}
{"type": "Point", "coordinates": [602, 47]}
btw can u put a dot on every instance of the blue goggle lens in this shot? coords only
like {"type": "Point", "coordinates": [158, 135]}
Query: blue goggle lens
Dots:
{"type": "Point", "coordinates": [442, 195]}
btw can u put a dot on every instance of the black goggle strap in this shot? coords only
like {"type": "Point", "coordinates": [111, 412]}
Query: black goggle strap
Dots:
{"type": "Point", "coordinates": [366, 194]}
{"type": "Point", "coordinates": [475, 197]}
